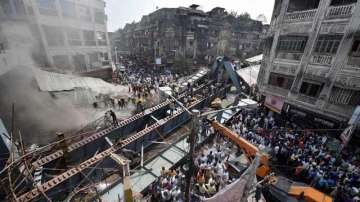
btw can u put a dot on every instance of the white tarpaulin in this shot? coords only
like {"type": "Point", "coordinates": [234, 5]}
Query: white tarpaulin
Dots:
{"type": "Point", "coordinates": [257, 58]}
{"type": "Point", "coordinates": [355, 118]}
{"type": "Point", "coordinates": [249, 74]}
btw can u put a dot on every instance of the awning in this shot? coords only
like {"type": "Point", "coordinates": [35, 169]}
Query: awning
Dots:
{"type": "Point", "coordinates": [257, 58]}
{"type": "Point", "coordinates": [249, 74]}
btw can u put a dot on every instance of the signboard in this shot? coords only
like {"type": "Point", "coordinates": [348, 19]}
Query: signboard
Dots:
{"type": "Point", "coordinates": [324, 122]}
{"type": "Point", "coordinates": [355, 118]}
{"type": "Point", "coordinates": [158, 61]}
{"type": "Point", "coordinates": [274, 103]}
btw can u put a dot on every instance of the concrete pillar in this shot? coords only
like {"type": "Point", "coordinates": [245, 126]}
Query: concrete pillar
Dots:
{"type": "Point", "coordinates": [342, 53]}
{"type": "Point", "coordinates": [37, 15]}
{"type": "Point", "coordinates": [13, 9]}
{"type": "Point", "coordinates": [268, 60]}
{"type": "Point", "coordinates": [313, 34]}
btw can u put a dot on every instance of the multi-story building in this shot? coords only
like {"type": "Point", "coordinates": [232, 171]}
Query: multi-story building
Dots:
{"type": "Point", "coordinates": [69, 35]}
{"type": "Point", "coordinates": [311, 68]}
{"type": "Point", "coordinates": [192, 33]}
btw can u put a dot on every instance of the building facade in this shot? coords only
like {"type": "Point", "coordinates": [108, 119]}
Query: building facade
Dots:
{"type": "Point", "coordinates": [68, 35]}
{"type": "Point", "coordinates": [188, 32]}
{"type": "Point", "coordinates": [311, 67]}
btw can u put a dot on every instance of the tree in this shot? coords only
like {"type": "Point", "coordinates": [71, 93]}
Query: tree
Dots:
{"type": "Point", "coordinates": [233, 13]}
{"type": "Point", "coordinates": [244, 16]}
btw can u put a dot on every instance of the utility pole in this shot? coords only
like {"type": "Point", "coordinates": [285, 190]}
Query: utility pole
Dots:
{"type": "Point", "coordinates": [155, 45]}
{"type": "Point", "coordinates": [116, 56]}
{"type": "Point", "coordinates": [192, 141]}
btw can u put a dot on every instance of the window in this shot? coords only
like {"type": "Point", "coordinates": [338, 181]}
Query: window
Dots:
{"type": "Point", "coordinates": [2, 47]}
{"type": "Point", "coordinates": [327, 44]}
{"type": "Point", "coordinates": [94, 60]}
{"type": "Point", "coordinates": [101, 38]}
{"type": "Point", "coordinates": [19, 7]}
{"type": "Point", "coordinates": [53, 35]}
{"type": "Point", "coordinates": [68, 9]}
{"type": "Point", "coordinates": [355, 50]}
{"type": "Point", "coordinates": [344, 96]}
{"type": "Point", "coordinates": [342, 2]}
{"type": "Point", "coordinates": [99, 16]}
{"type": "Point", "coordinates": [311, 89]}
{"type": "Point", "coordinates": [354, 54]}
{"type": "Point", "coordinates": [89, 38]}
{"type": "Point", "coordinates": [79, 62]}
{"type": "Point", "coordinates": [61, 61]}
{"type": "Point", "coordinates": [47, 7]}
{"type": "Point", "coordinates": [105, 58]}
{"type": "Point", "coordinates": [191, 42]}
{"type": "Point", "coordinates": [73, 36]}
{"type": "Point", "coordinates": [292, 43]}
{"type": "Point", "coordinates": [6, 7]}
{"type": "Point", "coordinates": [282, 81]}
{"type": "Point", "coordinates": [268, 44]}
{"type": "Point", "coordinates": [84, 13]}
{"type": "Point", "coordinates": [300, 5]}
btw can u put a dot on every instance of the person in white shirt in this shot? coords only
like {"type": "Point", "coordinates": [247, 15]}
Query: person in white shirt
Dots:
{"type": "Point", "coordinates": [276, 149]}
{"type": "Point", "coordinates": [175, 193]}
{"type": "Point", "coordinates": [165, 195]}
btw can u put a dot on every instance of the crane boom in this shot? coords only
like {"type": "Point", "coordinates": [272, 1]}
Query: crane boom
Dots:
{"type": "Point", "coordinates": [309, 193]}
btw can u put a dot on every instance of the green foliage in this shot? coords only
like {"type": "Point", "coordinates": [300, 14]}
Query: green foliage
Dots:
{"type": "Point", "coordinates": [244, 16]}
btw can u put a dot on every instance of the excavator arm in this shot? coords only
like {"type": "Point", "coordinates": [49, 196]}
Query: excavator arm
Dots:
{"type": "Point", "coordinates": [223, 62]}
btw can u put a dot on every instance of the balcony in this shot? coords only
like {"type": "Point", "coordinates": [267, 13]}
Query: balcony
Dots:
{"type": "Point", "coordinates": [354, 61]}
{"type": "Point", "coordinates": [306, 99]}
{"type": "Point", "coordinates": [300, 16]}
{"type": "Point", "coordinates": [322, 59]}
{"type": "Point", "coordinates": [289, 56]}
{"type": "Point", "coordinates": [340, 11]}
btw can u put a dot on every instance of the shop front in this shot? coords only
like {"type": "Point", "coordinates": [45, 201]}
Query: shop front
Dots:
{"type": "Point", "coordinates": [308, 119]}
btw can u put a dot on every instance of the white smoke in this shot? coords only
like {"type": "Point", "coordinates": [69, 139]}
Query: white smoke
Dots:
{"type": "Point", "coordinates": [39, 115]}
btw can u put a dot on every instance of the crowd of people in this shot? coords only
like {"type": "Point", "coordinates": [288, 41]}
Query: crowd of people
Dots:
{"type": "Point", "coordinates": [212, 169]}
{"type": "Point", "coordinates": [142, 85]}
{"type": "Point", "coordinates": [210, 176]}
{"type": "Point", "coordinates": [169, 186]}
{"type": "Point", "coordinates": [302, 155]}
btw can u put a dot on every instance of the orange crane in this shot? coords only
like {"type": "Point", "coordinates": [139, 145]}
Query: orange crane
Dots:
{"type": "Point", "coordinates": [294, 191]}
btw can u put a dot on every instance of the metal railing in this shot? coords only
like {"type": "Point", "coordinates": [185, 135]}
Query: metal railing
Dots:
{"type": "Point", "coordinates": [289, 56]}
{"type": "Point", "coordinates": [307, 15]}
{"type": "Point", "coordinates": [322, 59]}
{"type": "Point", "coordinates": [341, 11]}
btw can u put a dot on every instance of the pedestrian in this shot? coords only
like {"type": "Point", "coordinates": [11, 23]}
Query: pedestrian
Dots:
{"type": "Point", "coordinates": [172, 108]}
{"type": "Point", "coordinates": [114, 119]}
{"type": "Point", "coordinates": [120, 104]}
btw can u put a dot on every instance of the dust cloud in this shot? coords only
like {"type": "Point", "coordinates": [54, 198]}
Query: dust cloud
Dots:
{"type": "Point", "coordinates": [38, 115]}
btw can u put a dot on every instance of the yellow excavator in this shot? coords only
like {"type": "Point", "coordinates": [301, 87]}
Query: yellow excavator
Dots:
{"type": "Point", "coordinates": [281, 188]}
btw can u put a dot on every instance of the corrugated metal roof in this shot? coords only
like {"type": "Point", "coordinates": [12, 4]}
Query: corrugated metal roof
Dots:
{"type": "Point", "coordinates": [54, 82]}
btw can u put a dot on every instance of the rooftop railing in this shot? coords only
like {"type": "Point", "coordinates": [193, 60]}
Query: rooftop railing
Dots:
{"type": "Point", "coordinates": [299, 16]}
{"type": "Point", "coordinates": [340, 11]}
